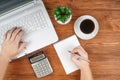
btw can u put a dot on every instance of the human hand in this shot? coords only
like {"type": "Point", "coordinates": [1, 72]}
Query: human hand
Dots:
{"type": "Point", "coordinates": [79, 62]}
{"type": "Point", "coordinates": [12, 45]}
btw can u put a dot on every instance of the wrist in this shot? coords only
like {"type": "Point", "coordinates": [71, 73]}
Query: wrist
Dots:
{"type": "Point", "coordinates": [86, 68]}
{"type": "Point", "coordinates": [83, 65]}
{"type": "Point", "coordinates": [5, 57]}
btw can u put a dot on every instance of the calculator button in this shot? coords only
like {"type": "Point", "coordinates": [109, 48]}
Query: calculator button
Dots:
{"type": "Point", "coordinates": [42, 68]}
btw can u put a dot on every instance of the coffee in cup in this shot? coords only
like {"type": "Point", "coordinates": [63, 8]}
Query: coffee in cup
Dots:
{"type": "Point", "coordinates": [87, 26]}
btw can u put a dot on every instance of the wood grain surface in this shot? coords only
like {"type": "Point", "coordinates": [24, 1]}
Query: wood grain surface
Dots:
{"type": "Point", "coordinates": [103, 50]}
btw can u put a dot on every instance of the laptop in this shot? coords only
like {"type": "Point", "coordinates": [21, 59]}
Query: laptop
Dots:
{"type": "Point", "coordinates": [32, 16]}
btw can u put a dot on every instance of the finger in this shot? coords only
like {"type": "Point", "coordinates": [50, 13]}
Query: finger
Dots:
{"type": "Point", "coordinates": [19, 35]}
{"type": "Point", "coordinates": [15, 33]}
{"type": "Point", "coordinates": [22, 46]}
{"type": "Point", "coordinates": [72, 55]}
{"type": "Point", "coordinates": [76, 60]}
{"type": "Point", "coordinates": [5, 36]}
{"type": "Point", "coordinates": [9, 33]}
{"type": "Point", "coordinates": [77, 51]}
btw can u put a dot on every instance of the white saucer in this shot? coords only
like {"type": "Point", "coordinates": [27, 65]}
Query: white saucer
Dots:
{"type": "Point", "coordinates": [78, 31]}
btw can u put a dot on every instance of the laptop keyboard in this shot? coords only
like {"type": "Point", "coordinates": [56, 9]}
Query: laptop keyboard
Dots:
{"type": "Point", "coordinates": [29, 23]}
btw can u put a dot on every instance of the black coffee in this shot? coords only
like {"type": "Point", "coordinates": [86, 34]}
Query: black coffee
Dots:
{"type": "Point", "coordinates": [87, 26]}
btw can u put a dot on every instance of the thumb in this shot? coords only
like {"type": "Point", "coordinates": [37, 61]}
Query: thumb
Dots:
{"type": "Point", "coordinates": [22, 46]}
{"type": "Point", "coordinates": [74, 58]}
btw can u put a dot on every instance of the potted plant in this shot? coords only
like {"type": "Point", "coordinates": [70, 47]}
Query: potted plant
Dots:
{"type": "Point", "coordinates": [62, 14]}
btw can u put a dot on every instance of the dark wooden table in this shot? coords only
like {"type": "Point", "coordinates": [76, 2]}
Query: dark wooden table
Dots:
{"type": "Point", "coordinates": [104, 49]}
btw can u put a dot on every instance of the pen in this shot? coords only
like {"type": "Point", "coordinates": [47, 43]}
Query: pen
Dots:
{"type": "Point", "coordinates": [81, 57]}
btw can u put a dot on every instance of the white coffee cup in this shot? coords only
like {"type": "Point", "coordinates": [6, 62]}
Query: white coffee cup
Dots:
{"type": "Point", "coordinates": [80, 33]}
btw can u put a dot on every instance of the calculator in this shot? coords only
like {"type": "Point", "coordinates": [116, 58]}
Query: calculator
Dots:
{"type": "Point", "coordinates": [40, 64]}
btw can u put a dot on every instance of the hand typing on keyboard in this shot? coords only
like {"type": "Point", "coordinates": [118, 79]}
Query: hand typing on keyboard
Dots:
{"type": "Point", "coordinates": [12, 45]}
{"type": "Point", "coordinates": [29, 23]}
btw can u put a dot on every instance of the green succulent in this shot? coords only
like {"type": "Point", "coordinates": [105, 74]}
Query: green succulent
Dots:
{"type": "Point", "coordinates": [62, 13]}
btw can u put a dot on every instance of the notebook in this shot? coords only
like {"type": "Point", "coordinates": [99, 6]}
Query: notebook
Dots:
{"type": "Point", "coordinates": [62, 48]}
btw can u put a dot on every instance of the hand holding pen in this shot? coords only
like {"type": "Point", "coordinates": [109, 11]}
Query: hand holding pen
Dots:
{"type": "Point", "coordinates": [80, 57]}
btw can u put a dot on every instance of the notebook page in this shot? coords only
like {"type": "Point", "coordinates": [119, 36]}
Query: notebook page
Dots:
{"type": "Point", "coordinates": [62, 48]}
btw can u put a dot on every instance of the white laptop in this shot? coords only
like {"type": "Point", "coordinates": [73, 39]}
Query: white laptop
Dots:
{"type": "Point", "coordinates": [32, 16]}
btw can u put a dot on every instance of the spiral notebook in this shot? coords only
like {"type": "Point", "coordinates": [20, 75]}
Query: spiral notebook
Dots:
{"type": "Point", "coordinates": [62, 48]}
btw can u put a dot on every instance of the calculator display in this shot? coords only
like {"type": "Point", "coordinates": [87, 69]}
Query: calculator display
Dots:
{"type": "Point", "coordinates": [37, 58]}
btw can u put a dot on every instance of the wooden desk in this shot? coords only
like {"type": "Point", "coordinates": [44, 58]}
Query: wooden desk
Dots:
{"type": "Point", "coordinates": [104, 49]}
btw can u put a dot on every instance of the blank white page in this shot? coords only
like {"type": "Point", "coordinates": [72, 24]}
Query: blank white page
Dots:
{"type": "Point", "coordinates": [62, 48]}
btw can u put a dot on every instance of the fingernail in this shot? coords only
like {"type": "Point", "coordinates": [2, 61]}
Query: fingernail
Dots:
{"type": "Point", "coordinates": [14, 28]}
{"type": "Point", "coordinates": [24, 47]}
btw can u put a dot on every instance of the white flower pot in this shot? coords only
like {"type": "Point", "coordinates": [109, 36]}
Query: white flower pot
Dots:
{"type": "Point", "coordinates": [60, 22]}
